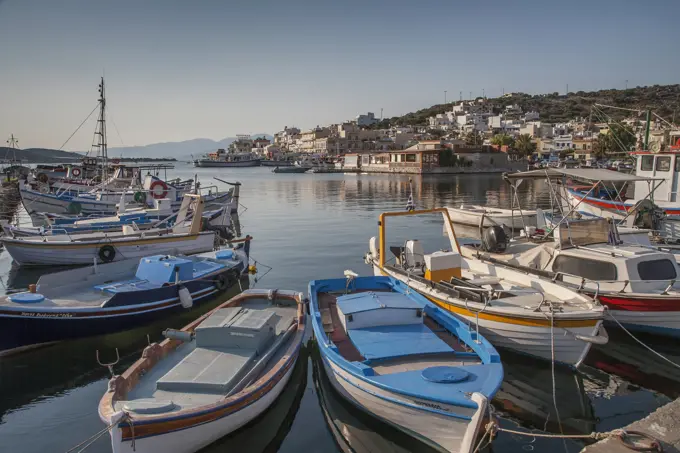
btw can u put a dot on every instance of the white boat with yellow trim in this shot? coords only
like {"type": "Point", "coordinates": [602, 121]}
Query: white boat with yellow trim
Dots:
{"type": "Point", "coordinates": [184, 238]}
{"type": "Point", "coordinates": [512, 309]}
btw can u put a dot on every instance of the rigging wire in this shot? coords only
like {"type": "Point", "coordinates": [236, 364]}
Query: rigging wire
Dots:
{"type": "Point", "coordinates": [81, 125]}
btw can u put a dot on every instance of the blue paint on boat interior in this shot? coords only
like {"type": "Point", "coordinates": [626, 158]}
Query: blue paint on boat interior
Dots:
{"type": "Point", "coordinates": [382, 342]}
{"type": "Point", "coordinates": [444, 374]}
{"type": "Point", "coordinates": [27, 298]}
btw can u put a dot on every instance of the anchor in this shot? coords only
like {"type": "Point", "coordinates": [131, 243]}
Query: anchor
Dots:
{"type": "Point", "coordinates": [109, 365]}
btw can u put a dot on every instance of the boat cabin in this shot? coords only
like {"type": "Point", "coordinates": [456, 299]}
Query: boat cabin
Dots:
{"type": "Point", "coordinates": [663, 166]}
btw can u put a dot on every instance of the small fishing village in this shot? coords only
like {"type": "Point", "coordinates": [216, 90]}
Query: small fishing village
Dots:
{"type": "Point", "coordinates": [466, 269]}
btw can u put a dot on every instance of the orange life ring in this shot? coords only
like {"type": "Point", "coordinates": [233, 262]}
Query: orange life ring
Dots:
{"type": "Point", "coordinates": [75, 172]}
{"type": "Point", "coordinates": [158, 194]}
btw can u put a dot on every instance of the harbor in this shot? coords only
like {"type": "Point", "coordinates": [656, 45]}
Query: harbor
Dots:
{"type": "Point", "coordinates": [617, 384]}
{"type": "Point", "coordinates": [357, 227]}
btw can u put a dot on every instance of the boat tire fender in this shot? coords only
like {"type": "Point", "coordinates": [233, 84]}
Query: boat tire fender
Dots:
{"type": "Point", "coordinates": [140, 197]}
{"type": "Point", "coordinates": [75, 172]}
{"type": "Point", "coordinates": [222, 282]}
{"type": "Point", "coordinates": [107, 253]}
{"type": "Point", "coordinates": [43, 178]}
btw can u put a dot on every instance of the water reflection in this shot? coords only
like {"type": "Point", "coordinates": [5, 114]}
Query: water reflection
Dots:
{"type": "Point", "coordinates": [526, 396]}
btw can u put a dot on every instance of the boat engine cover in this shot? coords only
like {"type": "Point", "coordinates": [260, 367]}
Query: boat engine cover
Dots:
{"type": "Point", "coordinates": [494, 239]}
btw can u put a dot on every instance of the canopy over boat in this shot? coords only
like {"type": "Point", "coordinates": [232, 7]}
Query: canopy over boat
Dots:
{"type": "Point", "coordinates": [591, 175]}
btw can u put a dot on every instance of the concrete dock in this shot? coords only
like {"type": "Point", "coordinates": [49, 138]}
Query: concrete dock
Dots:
{"type": "Point", "coordinates": [662, 424]}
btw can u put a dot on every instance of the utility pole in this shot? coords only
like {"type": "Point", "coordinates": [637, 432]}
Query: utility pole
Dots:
{"type": "Point", "coordinates": [567, 88]}
{"type": "Point", "coordinates": [444, 96]}
{"type": "Point", "coordinates": [649, 120]}
{"type": "Point", "coordinates": [470, 95]}
{"type": "Point", "coordinates": [381, 110]}
{"type": "Point", "coordinates": [483, 93]}
{"type": "Point", "coordinates": [626, 84]}
{"type": "Point", "coordinates": [461, 96]}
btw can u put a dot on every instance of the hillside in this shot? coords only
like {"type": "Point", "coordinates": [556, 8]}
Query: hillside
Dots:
{"type": "Point", "coordinates": [664, 100]}
{"type": "Point", "coordinates": [39, 155]}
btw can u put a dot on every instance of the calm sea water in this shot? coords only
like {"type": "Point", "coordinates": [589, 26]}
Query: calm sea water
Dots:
{"type": "Point", "coordinates": [315, 226]}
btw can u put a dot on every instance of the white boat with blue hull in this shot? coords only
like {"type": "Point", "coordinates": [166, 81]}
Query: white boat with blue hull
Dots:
{"type": "Point", "coordinates": [208, 379]}
{"type": "Point", "coordinates": [185, 237]}
{"type": "Point", "coordinates": [112, 297]}
{"type": "Point", "coordinates": [394, 354]}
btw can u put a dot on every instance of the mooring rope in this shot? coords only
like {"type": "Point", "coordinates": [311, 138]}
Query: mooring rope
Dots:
{"type": "Point", "coordinates": [609, 313]}
{"type": "Point", "coordinates": [92, 439]}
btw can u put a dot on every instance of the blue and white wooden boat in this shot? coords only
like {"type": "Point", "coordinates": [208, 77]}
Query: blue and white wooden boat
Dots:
{"type": "Point", "coordinates": [391, 352]}
{"type": "Point", "coordinates": [208, 379]}
{"type": "Point", "coordinates": [113, 297]}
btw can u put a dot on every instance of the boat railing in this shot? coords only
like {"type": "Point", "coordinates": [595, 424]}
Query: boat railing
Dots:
{"type": "Point", "coordinates": [581, 286]}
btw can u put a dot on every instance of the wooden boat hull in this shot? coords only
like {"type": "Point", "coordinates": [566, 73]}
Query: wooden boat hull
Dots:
{"type": "Point", "coordinates": [67, 253]}
{"type": "Point", "coordinates": [198, 434]}
{"type": "Point", "coordinates": [524, 335]}
{"type": "Point", "coordinates": [189, 430]}
{"type": "Point", "coordinates": [442, 432]}
{"type": "Point", "coordinates": [645, 313]}
{"type": "Point", "coordinates": [33, 326]}
{"type": "Point", "coordinates": [217, 163]}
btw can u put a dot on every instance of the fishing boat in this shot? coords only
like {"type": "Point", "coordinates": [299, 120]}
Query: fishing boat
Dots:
{"type": "Point", "coordinates": [63, 249]}
{"type": "Point", "coordinates": [291, 169]}
{"type": "Point", "coordinates": [222, 158]}
{"type": "Point", "coordinates": [513, 309]}
{"type": "Point", "coordinates": [474, 215]}
{"type": "Point", "coordinates": [160, 215]}
{"type": "Point", "coordinates": [636, 284]}
{"type": "Point", "coordinates": [112, 297]}
{"type": "Point", "coordinates": [209, 378]}
{"type": "Point", "coordinates": [392, 353]}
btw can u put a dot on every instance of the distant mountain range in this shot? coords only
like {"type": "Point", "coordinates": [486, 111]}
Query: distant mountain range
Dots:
{"type": "Point", "coordinates": [177, 150]}
{"type": "Point", "coordinates": [38, 155]}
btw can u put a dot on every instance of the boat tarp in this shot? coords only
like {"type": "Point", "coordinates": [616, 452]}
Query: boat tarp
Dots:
{"type": "Point", "coordinates": [592, 175]}
{"type": "Point", "coordinates": [382, 342]}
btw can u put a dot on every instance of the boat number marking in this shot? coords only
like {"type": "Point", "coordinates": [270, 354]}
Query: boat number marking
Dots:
{"type": "Point", "coordinates": [431, 405]}
{"type": "Point", "coordinates": [47, 315]}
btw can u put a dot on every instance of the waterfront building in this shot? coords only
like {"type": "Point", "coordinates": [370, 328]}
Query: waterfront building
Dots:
{"type": "Point", "coordinates": [366, 120]}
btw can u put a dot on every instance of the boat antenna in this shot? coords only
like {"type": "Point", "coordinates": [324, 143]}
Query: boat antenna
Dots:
{"type": "Point", "coordinates": [410, 205]}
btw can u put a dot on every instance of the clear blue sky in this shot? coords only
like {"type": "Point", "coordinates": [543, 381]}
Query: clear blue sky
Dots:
{"type": "Point", "coordinates": [178, 70]}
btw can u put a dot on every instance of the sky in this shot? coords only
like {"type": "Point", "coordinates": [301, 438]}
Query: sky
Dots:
{"type": "Point", "coordinates": [179, 70]}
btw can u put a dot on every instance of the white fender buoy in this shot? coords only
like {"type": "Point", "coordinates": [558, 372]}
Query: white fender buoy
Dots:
{"type": "Point", "coordinates": [185, 297]}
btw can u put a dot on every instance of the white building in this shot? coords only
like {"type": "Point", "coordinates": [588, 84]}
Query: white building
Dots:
{"type": "Point", "coordinates": [366, 120]}
{"type": "Point", "coordinates": [563, 141]}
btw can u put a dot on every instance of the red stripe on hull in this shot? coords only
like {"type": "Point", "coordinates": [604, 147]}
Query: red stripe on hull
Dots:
{"type": "Point", "coordinates": [615, 206]}
{"type": "Point", "coordinates": [640, 304]}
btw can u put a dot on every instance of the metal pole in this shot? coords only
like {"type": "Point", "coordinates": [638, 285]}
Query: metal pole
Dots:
{"type": "Point", "coordinates": [649, 120]}
{"type": "Point", "coordinates": [444, 96]}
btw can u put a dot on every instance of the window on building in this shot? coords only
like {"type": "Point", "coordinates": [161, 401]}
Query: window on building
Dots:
{"type": "Point", "coordinates": [403, 158]}
{"type": "Point", "coordinates": [663, 269]}
{"type": "Point", "coordinates": [663, 163]}
{"type": "Point", "coordinates": [583, 267]}
{"type": "Point", "coordinates": [647, 163]}
{"type": "Point", "coordinates": [410, 158]}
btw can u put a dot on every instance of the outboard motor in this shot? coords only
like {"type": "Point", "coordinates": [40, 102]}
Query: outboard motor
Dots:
{"type": "Point", "coordinates": [494, 239]}
{"type": "Point", "coordinates": [647, 215]}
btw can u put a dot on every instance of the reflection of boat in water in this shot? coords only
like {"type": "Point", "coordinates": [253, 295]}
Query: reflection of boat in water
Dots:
{"type": "Point", "coordinates": [626, 359]}
{"type": "Point", "coordinates": [526, 396]}
{"type": "Point", "coordinates": [355, 431]}
{"type": "Point", "coordinates": [76, 365]}
{"type": "Point", "coordinates": [267, 432]}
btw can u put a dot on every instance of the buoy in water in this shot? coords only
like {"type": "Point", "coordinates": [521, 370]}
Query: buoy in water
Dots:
{"type": "Point", "coordinates": [252, 269]}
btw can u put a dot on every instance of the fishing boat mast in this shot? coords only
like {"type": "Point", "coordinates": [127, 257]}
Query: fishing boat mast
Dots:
{"type": "Point", "coordinates": [100, 131]}
{"type": "Point", "coordinates": [12, 141]}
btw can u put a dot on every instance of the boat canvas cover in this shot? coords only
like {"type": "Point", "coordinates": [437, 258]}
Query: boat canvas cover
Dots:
{"type": "Point", "coordinates": [591, 175]}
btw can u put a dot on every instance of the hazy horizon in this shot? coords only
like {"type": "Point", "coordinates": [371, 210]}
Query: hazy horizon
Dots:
{"type": "Point", "coordinates": [177, 71]}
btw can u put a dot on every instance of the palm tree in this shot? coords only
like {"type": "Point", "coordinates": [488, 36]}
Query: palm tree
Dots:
{"type": "Point", "coordinates": [524, 145]}
{"type": "Point", "coordinates": [502, 139]}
